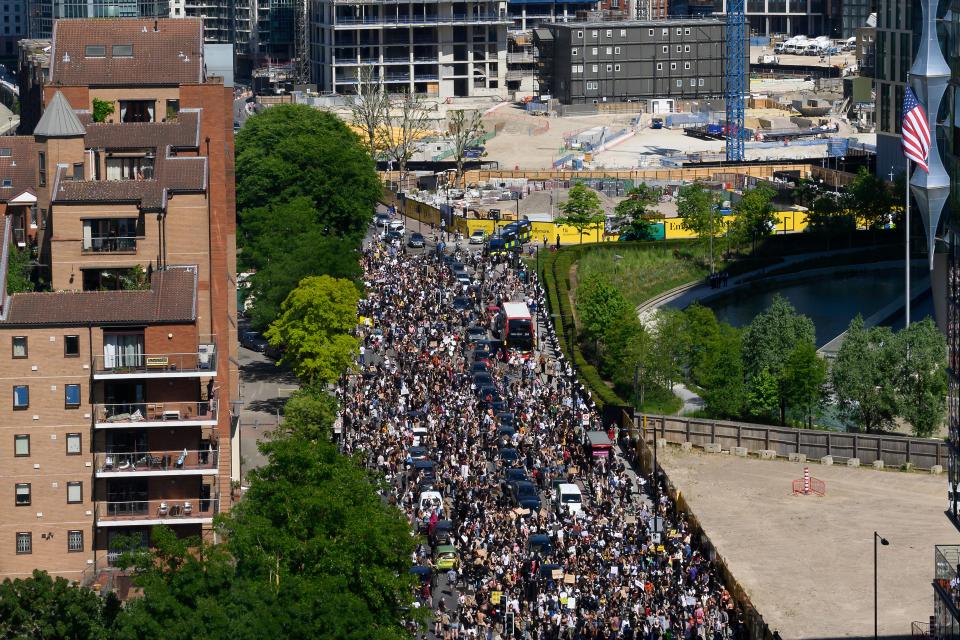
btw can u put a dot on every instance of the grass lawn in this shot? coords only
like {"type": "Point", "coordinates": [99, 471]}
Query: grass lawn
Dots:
{"type": "Point", "coordinates": [642, 272]}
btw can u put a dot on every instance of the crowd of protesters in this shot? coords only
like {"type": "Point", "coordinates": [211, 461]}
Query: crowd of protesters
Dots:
{"type": "Point", "coordinates": [621, 567]}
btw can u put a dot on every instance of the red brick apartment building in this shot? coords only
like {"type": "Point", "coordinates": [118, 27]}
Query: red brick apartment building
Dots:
{"type": "Point", "coordinates": [115, 388]}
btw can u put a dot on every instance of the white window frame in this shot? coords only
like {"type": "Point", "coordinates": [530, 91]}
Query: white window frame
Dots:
{"type": "Point", "coordinates": [594, 34]}
{"type": "Point", "coordinates": [616, 51]}
{"type": "Point", "coordinates": [573, 51]}
{"type": "Point", "coordinates": [609, 51]}
{"type": "Point", "coordinates": [616, 67]}
{"type": "Point", "coordinates": [665, 32]}
{"type": "Point", "coordinates": [679, 49]}
{"type": "Point", "coordinates": [659, 66]}
{"type": "Point", "coordinates": [623, 33]}
{"type": "Point", "coordinates": [649, 33]}
{"type": "Point", "coordinates": [666, 49]}
{"type": "Point", "coordinates": [686, 66]}
{"type": "Point", "coordinates": [699, 82]}
{"type": "Point", "coordinates": [609, 33]}
{"type": "Point", "coordinates": [680, 84]}
{"type": "Point", "coordinates": [693, 82]}
{"type": "Point", "coordinates": [580, 34]}
{"type": "Point", "coordinates": [686, 48]}
{"type": "Point", "coordinates": [595, 68]}
{"type": "Point", "coordinates": [609, 68]}
{"type": "Point", "coordinates": [673, 66]}
{"type": "Point", "coordinates": [686, 31]}
{"type": "Point", "coordinates": [679, 31]}
{"type": "Point", "coordinates": [594, 51]}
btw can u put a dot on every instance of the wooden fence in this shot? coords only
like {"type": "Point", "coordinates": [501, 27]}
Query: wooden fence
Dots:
{"type": "Point", "coordinates": [894, 451]}
{"type": "Point", "coordinates": [687, 174]}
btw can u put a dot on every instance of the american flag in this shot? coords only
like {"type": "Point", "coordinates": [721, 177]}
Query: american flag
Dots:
{"type": "Point", "coordinates": [916, 133]}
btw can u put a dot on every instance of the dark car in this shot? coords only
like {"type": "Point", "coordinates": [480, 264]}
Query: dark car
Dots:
{"type": "Point", "coordinates": [548, 571]}
{"type": "Point", "coordinates": [461, 303]}
{"type": "Point", "coordinates": [253, 341]}
{"type": "Point", "coordinates": [525, 494]}
{"type": "Point", "coordinates": [424, 469]}
{"type": "Point", "coordinates": [442, 533]}
{"type": "Point", "coordinates": [515, 474]}
{"type": "Point", "coordinates": [498, 406]}
{"type": "Point", "coordinates": [456, 266]}
{"type": "Point", "coordinates": [476, 333]}
{"type": "Point", "coordinates": [539, 543]}
{"type": "Point", "coordinates": [479, 367]}
{"type": "Point", "coordinates": [506, 418]}
{"type": "Point", "coordinates": [506, 430]}
{"type": "Point", "coordinates": [416, 241]}
{"type": "Point", "coordinates": [482, 379]}
{"type": "Point", "coordinates": [418, 453]}
{"type": "Point", "coordinates": [395, 234]}
{"type": "Point", "coordinates": [508, 457]}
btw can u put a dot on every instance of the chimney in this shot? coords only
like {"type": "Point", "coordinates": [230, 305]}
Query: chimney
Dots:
{"type": "Point", "coordinates": [155, 27]}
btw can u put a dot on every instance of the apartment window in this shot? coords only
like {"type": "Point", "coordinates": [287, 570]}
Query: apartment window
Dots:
{"type": "Point", "coordinates": [686, 32]}
{"type": "Point", "coordinates": [122, 50]}
{"type": "Point", "coordinates": [666, 49]}
{"type": "Point", "coordinates": [594, 50]}
{"type": "Point", "coordinates": [649, 33]}
{"type": "Point", "coordinates": [693, 82]}
{"type": "Point", "coordinates": [609, 68]}
{"type": "Point", "coordinates": [699, 82]}
{"type": "Point", "coordinates": [679, 49]}
{"type": "Point", "coordinates": [106, 235]}
{"type": "Point", "coordinates": [95, 51]}
{"type": "Point", "coordinates": [34, 222]}
{"type": "Point", "coordinates": [22, 494]}
{"type": "Point", "coordinates": [78, 171]}
{"type": "Point", "coordinates": [595, 68]}
{"type": "Point", "coordinates": [71, 396]}
{"type": "Point", "coordinates": [594, 33]}
{"type": "Point", "coordinates": [665, 32]}
{"type": "Point", "coordinates": [659, 66]}
{"type": "Point", "coordinates": [73, 444]}
{"type": "Point", "coordinates": [686, 65]}
{"type": "Point", "coordinates": [616, 51]}
{"type": "Point", "coordinates": [71, 346]}
{"type": "Point", "coordinates": [24, 543]}
{"type": "Point", "coordinates": [21, 445]}
{"type": "Point", "coordinates": [42, 165]}
{"type": "Point", "coordinates": [21, 396]}
{"type": "Point", "coordinates": [679, 83]}
{"type": "Point", "coordinates": [74, 541]}
{"type": "Point", "coordinates": [5, 152]}
{"type": "Point", "coordinates": [623, 33]}
{"type": "Point", "coordinates": [609, 51]}
{"type": "Point", "coordinates": [74, 492]}
{"type": "Point", "coordinates": [679, 32]}
{"type": "Point", "coordinates": [19, 346]}
{"type": "Point", "coordinates": [673, 66]}
{"type": "Point", "coordinates": [573, 51]}
{"type": "Point", "coordinates": [609, 33]}
{"type": "Point", "coordinates": [686, 48]}
{"type": "Point", "coordinates": [579, 34]}
{"type": "Point", "coordinates": [173, 109]}
{"type": "Point", "coordinates": [137, 110]}
{"type": "Point", "coordinates": [7, 183]}
{"type": "Point", "coordinates": [616, 67]}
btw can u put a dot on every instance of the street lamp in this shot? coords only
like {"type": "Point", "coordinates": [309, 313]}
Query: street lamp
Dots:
{"type": "Point", "coordinates": [876, 538]}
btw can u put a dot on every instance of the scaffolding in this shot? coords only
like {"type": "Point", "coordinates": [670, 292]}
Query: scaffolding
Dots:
{"type": "Point", "coordinates": [735, 80]}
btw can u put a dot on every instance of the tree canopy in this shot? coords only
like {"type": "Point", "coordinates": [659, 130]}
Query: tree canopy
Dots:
{"type": "Point", "coordinates": [636, 213]}
{"type": "Point", "coordinates": [581, 210]}
{"type": "Point", "coordinates": [313, 328]}
{"type": "Point", "coordinates": [289, 151]}
{"type": "Point", "coordinates": [697, 206]}
{"type": "Point", "coordinates": [42, 607]}
{"type": "Point", "coordinates": [754, 217]}
{"type": "Point", "coordinates": [865, 396]}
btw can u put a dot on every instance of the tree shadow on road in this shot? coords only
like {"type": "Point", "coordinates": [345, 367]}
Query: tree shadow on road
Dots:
{"type": "Point", "coordinates": [263, 371]}
{"type": "Point", "coordinates": [268, 405]}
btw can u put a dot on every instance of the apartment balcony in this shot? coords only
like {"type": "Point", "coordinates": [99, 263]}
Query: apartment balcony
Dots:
{"type": "Point", "coordinates": [142, 464]}
{"type": "Point", "coordinates": [144, 513]}
{"type": "Point", "coordinates": [520, 58]}
{"type": "Point", "coordinates": [126, 366]}
{"type": "Point", "coordinates": [416, 21]}
{"type": "Point", "coordinates": [519, 75]}
{"type": "Point", "coordinates": [155, 414]}
{"type": "Point", "coordinates": [107, 244]}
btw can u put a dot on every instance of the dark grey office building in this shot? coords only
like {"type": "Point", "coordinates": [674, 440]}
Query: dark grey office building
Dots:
{"type": "Point", "coordinates": [584, 62]}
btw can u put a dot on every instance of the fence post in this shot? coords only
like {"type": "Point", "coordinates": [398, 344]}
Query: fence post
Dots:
{"type": "Point", "coordinates": [766, 439]}
{"type": "Point", "coordinates": [908, 450]}
{"type": "Point", "coordinates": [798, 441]}
{"type": "Point", "coordinates": [739, 434]}
{"type": "Point", "coordinates": [829, 450]}
{"type": "Point", "coordinates": [688, 432]}
{"type": "Point", "coordinates": [879, 448]}
{"type": "Point", "coordinates": [856, 439]}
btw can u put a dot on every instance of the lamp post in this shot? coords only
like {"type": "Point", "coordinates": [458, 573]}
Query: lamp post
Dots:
{"type": "Point", "coordinates": [876, 538]}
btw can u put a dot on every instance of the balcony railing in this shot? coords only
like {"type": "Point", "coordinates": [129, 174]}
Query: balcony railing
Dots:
{"type": "Point", "coordinates": [168, 511]}
{"type": "Point", "coordinates": [147, 413]}
{"type": "Point", "coordinates": [159, 462]}
{"type": "Point", "coordinates": [410, 20]}
{"type": "Point", "coordinates": [202, 362]}
{"type": "Point", "coordinates": [107, 244]}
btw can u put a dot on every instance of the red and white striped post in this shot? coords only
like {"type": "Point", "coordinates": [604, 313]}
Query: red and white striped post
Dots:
{"type": "Point", "coordinates": [806, 481]}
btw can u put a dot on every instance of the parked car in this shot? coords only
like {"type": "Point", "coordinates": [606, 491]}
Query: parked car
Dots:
{"type": "Point", "coordinates": [461, 303]}
{"type": "Point", "coordinates": [478, 237]}
{"type": "Point", "coordinates": [416, 240]}
{"type": "Point", "coordinates": [382, 220]}
{"type": "Point", "coordinates": [253, 341]}
{"type": "Point", "coordinates": [445, 557]}
{"type": "Point", "coordinates": [525, 495]}
{"type": "Point", "coordinates": [394, 235]}
{"type": "Point", "coordinates": [397, 225]}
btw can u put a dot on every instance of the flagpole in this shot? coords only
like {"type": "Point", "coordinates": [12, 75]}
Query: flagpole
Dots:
{"type": "Point", "coordinates": [907, 232]}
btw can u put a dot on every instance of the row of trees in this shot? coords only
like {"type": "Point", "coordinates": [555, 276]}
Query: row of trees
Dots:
{"type": "Point", "coordinates": [312, 550]}
{"type": "Point", "coordinates": [769, 371]}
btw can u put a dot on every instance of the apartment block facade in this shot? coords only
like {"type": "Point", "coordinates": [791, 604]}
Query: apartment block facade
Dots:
{"type": "Point", "coordinates": [636, 60]}
{"type": "Point", "coordinates": [13, 25]}
{"type": "Point", "coordinates": [122, 375]}
{"type": "Point", "coordinates": [897, 21]}
{"type": "Point", "coordinates": [789, 17]}
{"type": "Point", "coordinates": [440, 48]}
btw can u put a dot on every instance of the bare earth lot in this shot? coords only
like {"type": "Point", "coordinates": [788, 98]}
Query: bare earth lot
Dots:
{"type": "Point", "coordinates": [807, 562]}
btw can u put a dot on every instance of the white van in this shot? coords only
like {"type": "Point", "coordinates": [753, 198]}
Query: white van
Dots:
{"type": "Point", "coordinates": [568, 499]}
{"type": "Point", "coordinates": [419, 435]}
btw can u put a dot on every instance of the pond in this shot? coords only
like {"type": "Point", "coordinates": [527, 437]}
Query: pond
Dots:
{"type": "Point", "coordinates": [831, 301]}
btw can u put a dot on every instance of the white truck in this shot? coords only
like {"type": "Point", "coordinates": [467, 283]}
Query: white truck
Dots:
{"type": "Point", "coordinates": [568, 499]}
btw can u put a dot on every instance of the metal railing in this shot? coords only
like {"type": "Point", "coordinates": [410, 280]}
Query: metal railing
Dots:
{"type": "Point", "coordinates": [159, 461]}
{"type": "Point", "coordinates": [433, 19]}
{"type": "Point", "coordinates": [518, 58]}
{"type": "Point", "coordinates": [203, 360]}
{"type": "Point", "coordinates": [166, 509]}
{"type": "Point", "coordinates": [136, 412]}
{"type": "Point", "coordinates": [108, 244]}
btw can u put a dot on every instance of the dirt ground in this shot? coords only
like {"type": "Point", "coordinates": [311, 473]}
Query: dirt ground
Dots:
{"type": "Point", "coordinates": [806, 561]}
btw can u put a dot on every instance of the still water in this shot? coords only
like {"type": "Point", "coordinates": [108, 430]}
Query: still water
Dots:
{"type": "Point", "coordinates": [830, 301]}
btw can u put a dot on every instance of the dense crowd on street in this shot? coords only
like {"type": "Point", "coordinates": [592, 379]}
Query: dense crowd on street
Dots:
{"type": "Point", "coordinates": [621, 567]}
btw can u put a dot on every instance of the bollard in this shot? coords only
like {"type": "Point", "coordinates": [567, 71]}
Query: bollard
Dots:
{"type": "Point", "coordinates": [740, 451]}
{"type": "Point", "coordinates": [827, 460]}
{"type": "Point", "coordinates": [853, 462]}
{"type": "Point", "coordinates": [712, 447]}
{"type": "Point", "coordinates": [878, 464]}
{"type": "Point", "coordinates": [686, 446]}
{"type": "Point", "coordinates": [936, 469]}
{"type": "Point", "coordinates": [797, 457]}
{"type": "Point", "coordinates": [767, 454]}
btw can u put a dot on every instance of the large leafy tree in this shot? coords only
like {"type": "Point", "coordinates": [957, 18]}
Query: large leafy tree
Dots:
{"type": "Point", "coordinates": [581, 210]}
{"type": "Point", "coordinates": [861, 378]}
{"type": "Point", "coordinates": [869, 196]}
{"type": "Point", "coordinates": [920, 376]}
{"type": "Point", "coordinates": [803, 382]}
{"type": "Point", "coordinates": [42, 607]}
{"type": "Point", "coordinates": [283, 244]}
{"type": "Point", "coordinates": [314, 328]}
{"type": "Point", "coordinates": [290, 151]}
{"type": "Point", "coordinates": [697, 206]}
{"type": "Point", "coordinates": [720, 371]}
{"type": "Point", "coordinates": [754, 217]}
{"type": "Point", "coordinates": [635, 214]}
{"type": "Point", "coordinates": [599, 305]}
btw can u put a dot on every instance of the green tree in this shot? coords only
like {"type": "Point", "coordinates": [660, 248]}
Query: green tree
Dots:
{"type": "Point", "coordinates": [720, 373]}
{"type": "Point", "coordinates": [828, 216]}
{"type": "Point", "coordinates": [701, 331]}
{"type": "Point", "coordinates": [599, 304]}
{"type": "Point", "coordinates": [42, 607]}
{"type": "Point", "coordinates": [102, 109]}
{"type": "Point", "coordinates": [283, 244]}
{"type": "Point", "coordinates": [806, 192]}
{"type": "Point", "coordinates": [803, 383]}
{"type": "Point", "coordinates": [19, 271]}
{"type": "Point", "coordinates": [289, 151]}
{"type": "Point", "coordinates": [671, 350]}
{"type": "Point", "coordinates": [308, 413]}
{"type": "Point", "coordinates": [754, 217]}
{"type": "Point", "coordinates": [861, 377]}
{"type": "Point", "coordinates": [581, 210]}
{"type": "Point", "coordinates": [698, 207]}
{"type": "Point", "coordinates": [627, 352]}
{"type": "Point", "coordinates": [869, 196]}
{"type": "Point", "coordinates": [921, 377]}
{"type": "Point", "coordinates": [314, 328]}
{"type": "Point", "coordinates": [763, 395]}
{"type": "Point", "coordinates": [636, 214]}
